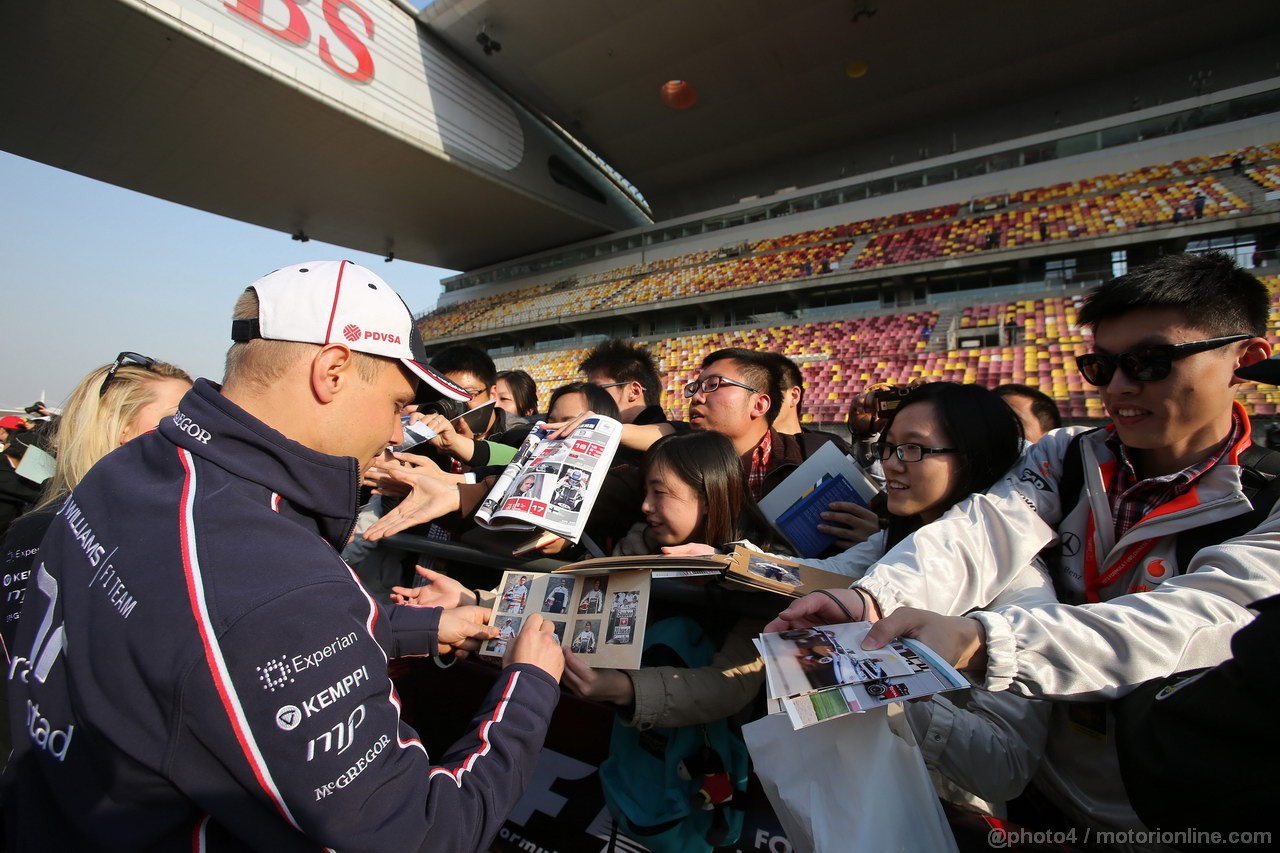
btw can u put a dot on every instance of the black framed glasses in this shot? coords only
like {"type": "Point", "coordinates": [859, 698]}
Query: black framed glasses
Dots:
{"type": "Point", "coordinates": [907, 452]}
{"type": "Point", "coordinates": [713, 382]}
{"type": "Point", "coordinates": [607, 385]}
{"type": "Point", "coordinates": [1145, 363]}
{"type": "Point", "coordinates": [123, 359]}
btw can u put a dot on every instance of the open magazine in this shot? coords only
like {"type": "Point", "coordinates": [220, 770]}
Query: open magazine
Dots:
{"type": "Point", "coordinates": [552, 484]}
{"type": "Point", "coordinates": [600, 617]}
{"type": "Point", "coordinates": [818, 674]}
{"type": "Point", "coordinates": [795, 506]}
{"type": "Point", "coordinates": [743, 567]}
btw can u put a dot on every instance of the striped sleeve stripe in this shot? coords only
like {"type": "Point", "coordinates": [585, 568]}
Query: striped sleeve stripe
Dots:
{"type": "Point", "coordinates": [469, 762]}
{"type": "Point", "coordinates": [485, 745]}
{"type": "Point", "coordinates": [392, 695]}
{"type": "Point", "coordinates": [199, 841]}
{"type": "Point", "coordinates": [212, 651]}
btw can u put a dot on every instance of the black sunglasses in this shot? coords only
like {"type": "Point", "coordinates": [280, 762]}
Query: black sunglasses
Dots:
{"type": "Point", "coordinates": [1147, 363]}
{"type": "Point", "coordinates": [121, 360]}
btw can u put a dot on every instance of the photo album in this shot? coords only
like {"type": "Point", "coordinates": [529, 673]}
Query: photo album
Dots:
{"type": "Point", "coordinates": [600, 617]}
{"type": "Point", "coordinates": [743, 567]}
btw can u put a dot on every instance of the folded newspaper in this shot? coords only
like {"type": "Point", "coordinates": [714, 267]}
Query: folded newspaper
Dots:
{"type": "Point", "coordinates": [819, 674]}
{"type": "Point", "coordinates": [551, 484]}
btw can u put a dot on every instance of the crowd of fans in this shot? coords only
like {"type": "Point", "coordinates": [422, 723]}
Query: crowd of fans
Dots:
{"type": "Point", "coordinates": [1069, 572]}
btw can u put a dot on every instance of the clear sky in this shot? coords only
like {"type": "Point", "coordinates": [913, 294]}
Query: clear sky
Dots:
{"type": "Point", "coordinates": [88, 269]}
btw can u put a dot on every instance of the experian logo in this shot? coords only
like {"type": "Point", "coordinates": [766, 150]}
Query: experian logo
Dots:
{"type": "Point", "coordinates": [281, 670]}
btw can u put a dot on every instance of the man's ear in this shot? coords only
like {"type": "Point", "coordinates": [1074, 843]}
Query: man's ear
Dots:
{"type": "Point", "coordinates": [332, 368]}
{"type": "Point", "coordinates": [760, 406]}
{"type": "Point", "coordinates": [1253, 351]}
{"type": "Point", "coordinates": [635, 391]}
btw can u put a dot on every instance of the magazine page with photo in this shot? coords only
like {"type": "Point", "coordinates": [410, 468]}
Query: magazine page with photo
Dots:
{"type": "Point", "coordinates": [818, 674]}
{"type": "Point", "coordinates": [551, 484]}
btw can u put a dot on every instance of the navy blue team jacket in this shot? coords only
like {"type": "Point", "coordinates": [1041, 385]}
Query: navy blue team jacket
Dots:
{"type": "Point", "coordinates": [196, 667]}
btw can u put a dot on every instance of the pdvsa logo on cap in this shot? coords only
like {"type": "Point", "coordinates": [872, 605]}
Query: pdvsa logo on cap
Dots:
{"type": "Point", "coordinates": [351, 332]}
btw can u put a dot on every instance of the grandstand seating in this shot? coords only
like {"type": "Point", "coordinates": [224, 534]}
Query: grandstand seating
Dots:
{"type": "Point", "coordinates": [840, 358]}
{"type": "Point", "coordinates": [1267, 177]}
{"type": "Point", "coordinates": [1092, 216]}
{"type": "Point", "coordinates": [1102, 205]}
{"type": "Point", "coordinates": [1038, 339]}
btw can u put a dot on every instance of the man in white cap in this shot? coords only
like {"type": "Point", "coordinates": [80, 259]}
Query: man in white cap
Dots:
{"type": "Point", "coordinates": [198, 669]}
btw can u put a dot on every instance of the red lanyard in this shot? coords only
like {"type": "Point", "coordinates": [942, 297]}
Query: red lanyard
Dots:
{"type": "Point", "coordinates": [1132, 554]}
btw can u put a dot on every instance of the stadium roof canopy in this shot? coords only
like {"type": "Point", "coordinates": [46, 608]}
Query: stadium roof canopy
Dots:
{"type": "Point", "coordinates": [445, 155]}
{"type": "Point", "coordinates": [776, 97]}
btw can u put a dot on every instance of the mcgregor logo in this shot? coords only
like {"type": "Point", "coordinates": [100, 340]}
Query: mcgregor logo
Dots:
{"type": "Point", "coordinates": [351, 332]}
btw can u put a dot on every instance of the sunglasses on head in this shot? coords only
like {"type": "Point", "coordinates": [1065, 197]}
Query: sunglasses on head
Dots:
{"type": "Point", "coordinates": [121, 360]}
{"type": "Point", "coordinates": [1145, 363]}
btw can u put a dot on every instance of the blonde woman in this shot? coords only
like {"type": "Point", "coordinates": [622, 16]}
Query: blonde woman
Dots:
{"type": "Point", "coordinates": [112, 405]}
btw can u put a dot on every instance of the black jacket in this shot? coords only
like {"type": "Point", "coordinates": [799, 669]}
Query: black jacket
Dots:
{"type": "Point", "coordinates": [196, 668]}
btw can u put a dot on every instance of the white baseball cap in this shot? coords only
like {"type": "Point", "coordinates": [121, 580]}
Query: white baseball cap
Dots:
{"type": "Point", "coordinates": [323, 302]}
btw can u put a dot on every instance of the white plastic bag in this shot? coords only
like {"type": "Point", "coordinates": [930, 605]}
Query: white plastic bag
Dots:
{"type": "Point", "coordinates": [849, 784]}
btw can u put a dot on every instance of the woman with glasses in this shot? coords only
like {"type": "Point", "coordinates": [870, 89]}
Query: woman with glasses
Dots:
{"type": "Point", "coordinates": [112, 405]}
{"type": "Point", "coordinates": [943, 443]}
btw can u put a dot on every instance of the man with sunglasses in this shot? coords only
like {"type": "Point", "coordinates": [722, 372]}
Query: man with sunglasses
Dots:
{"type": "Point", "coordinates": [630, 376]}
{"type": "Point", "coordinates": [197, 668]}
{"type": "Point", "coordinates": [1168, 339]}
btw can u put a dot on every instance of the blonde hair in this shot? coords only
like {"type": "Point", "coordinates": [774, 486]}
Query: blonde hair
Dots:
{"type": "Point", "coordinates": [260, 362]}
{"type": "Point", "coordinates": [92, 422]}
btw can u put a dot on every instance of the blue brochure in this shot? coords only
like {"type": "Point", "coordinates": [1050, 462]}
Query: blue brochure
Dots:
{"type": "Point", "coordinates": [800, 522]}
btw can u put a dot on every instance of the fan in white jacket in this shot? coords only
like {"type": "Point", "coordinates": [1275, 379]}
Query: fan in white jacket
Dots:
{"type": "Point", "coordinates": [1168, 340]}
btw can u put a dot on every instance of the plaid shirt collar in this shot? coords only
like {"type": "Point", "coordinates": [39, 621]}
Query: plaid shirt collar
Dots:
{"type": "Point", "coordinates": [1133, 499]}
{"type": "Point", "coordinates": [757, 464]}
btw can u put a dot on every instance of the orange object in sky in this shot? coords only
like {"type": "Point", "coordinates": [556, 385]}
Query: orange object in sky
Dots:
{"type": "Point", "coordinates": [679, 94]}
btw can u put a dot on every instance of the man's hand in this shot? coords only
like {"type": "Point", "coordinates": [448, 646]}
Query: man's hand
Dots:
{"type": "Point", "coordinates": [565, 428]}
{"type": "Point", "coordinates": [441, 591]}
{"type": "Point", "coordinates": [464, 629]}
{"type": "Point", "coordinates": [537, 645]}
{"type": "Point", "coordinates": [603, 685]}
{"type": "Point", "coordinates": [429, 499]}
{"type": "Point", "coordinates": [389, 473]}
{"type": "Point", "coordinates": [544, 543]}
{"type": "Point", "coordinates": [817, 609]}
{"type": "Point", "coordinates": [959, 640]}
{"type": "Point", "coordinates": [848, 523]}
{"type": "Point", "coordinates": [449, 437]}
